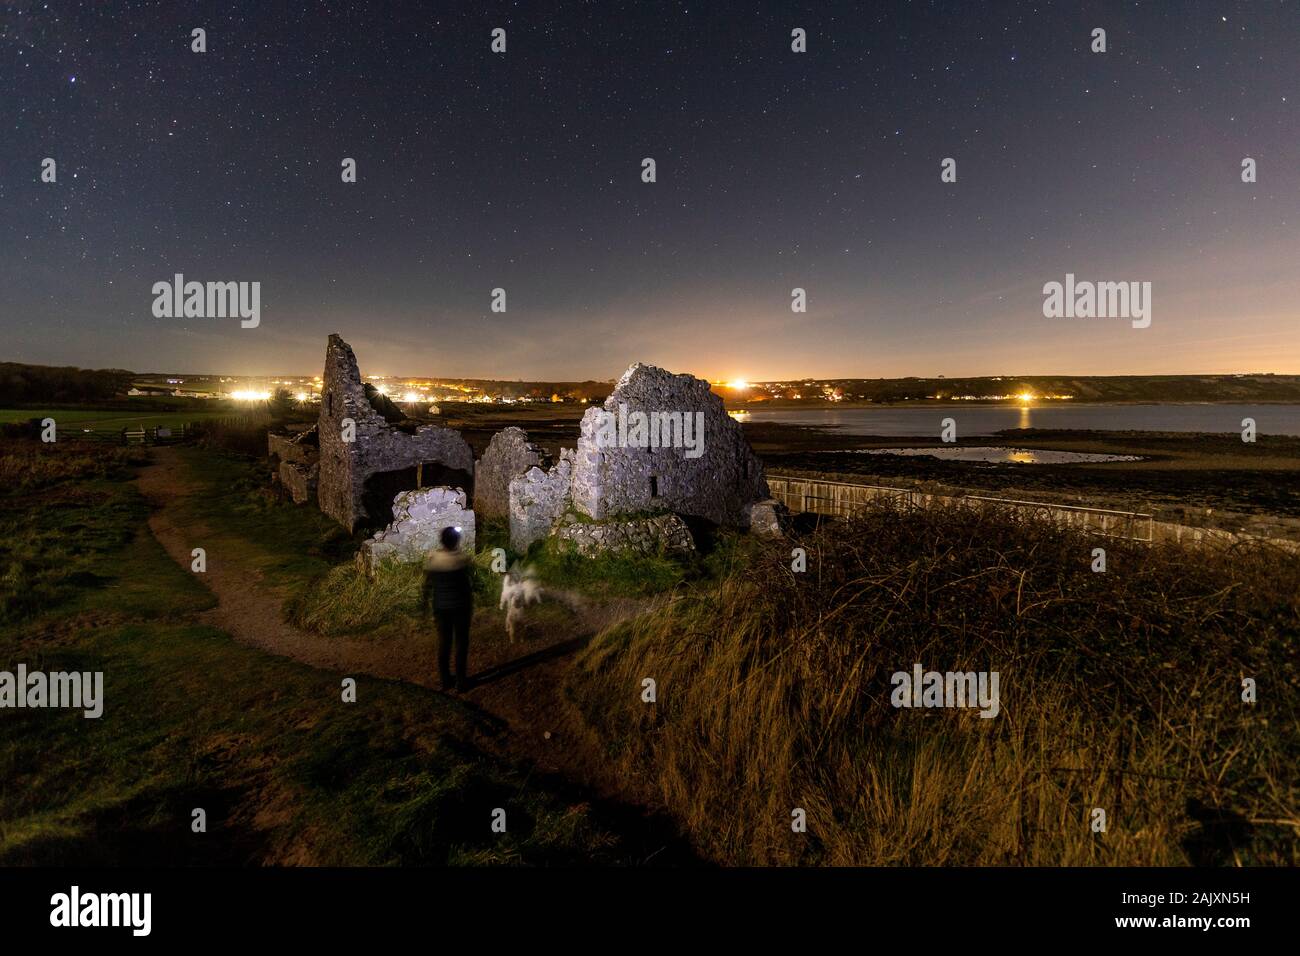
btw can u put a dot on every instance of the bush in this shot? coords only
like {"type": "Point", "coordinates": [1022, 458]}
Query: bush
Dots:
{"type": "Point", "coordinates": [245, 435]}
{"type": "Point", "coordinates": [621, 574]}
{"type": "Point", "coordinates": [27, 465]}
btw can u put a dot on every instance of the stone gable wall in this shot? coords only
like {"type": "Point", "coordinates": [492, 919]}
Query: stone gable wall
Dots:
{"type": "Point", "coordinates": [379, 447]}
{"type": "Point", "coordinates": [719, 485]}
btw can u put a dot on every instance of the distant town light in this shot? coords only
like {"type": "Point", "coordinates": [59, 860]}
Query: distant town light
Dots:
{"type": "Point", "coordinates": [249, 395]}
{"type": "Point", "coordinates": [1026, 396]}
{"type": "Point", "coordinates": [739, 385]}
{"type": "Point", "coordinates": [411, 397]}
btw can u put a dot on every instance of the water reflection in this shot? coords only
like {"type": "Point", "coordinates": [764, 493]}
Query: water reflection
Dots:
{"type": "Point", "coordinates": [995, 454]}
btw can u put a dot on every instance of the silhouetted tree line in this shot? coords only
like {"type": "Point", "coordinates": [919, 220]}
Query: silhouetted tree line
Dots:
{"type": "Point", "coordinates": [60, 384]}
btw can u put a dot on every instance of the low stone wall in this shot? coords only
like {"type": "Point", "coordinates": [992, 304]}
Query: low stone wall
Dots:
{"type": "Point", "coordinates": [665, 534]}
{"type": "Point", "coordinates": [296, 448]}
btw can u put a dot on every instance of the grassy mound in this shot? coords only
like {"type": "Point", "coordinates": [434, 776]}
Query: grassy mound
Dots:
{"type": "Point", "coordinates": [1119, 690]}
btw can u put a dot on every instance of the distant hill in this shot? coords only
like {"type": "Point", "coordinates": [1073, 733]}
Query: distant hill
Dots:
{"type": "Point", "coordinates": [21, 383]}
{"type": "Point", "coordinates": [1079, 388]}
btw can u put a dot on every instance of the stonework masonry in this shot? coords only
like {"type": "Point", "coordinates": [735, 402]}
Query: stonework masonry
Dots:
{"type": "Point", "coordinates": [419, 518]}
{"type": "Point", "coordinates": [664, 534]}
{"type": "Point", "coordinates": [296, 460]}
{"type": "Point", "coordinates": [359, 479]}
{"type": "Point", "coordinates": [718, 479]}
{"type": "Point", "coordinates": [719, 485]}
{"type": "Point", "coordinates": [509, 455]}
{"type": "Point", "coordinates": [538, 499]}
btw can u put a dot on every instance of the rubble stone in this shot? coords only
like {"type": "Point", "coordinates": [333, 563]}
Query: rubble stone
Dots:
{"type": "Point", "coordinates": [768, 518]}
{"type": "Point", "coordinates": [299, 480]}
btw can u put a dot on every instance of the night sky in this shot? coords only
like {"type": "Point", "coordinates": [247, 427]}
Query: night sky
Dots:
{"type": "Point", "coordinates": [775, 170]}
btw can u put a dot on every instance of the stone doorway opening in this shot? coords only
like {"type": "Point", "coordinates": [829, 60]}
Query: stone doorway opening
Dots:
{"type": "Point", "coordinates": [383, 486]}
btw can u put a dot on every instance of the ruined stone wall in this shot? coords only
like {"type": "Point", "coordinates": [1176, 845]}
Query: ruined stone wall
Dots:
{"type": "Point", "coordinates": [509, 455]}
{"type": "Point", "coordinates": [379, 447]}
{"type": "Point", "coordinates": [718, 485]}
{"type": "Point", "coordinates": [537, 499]}
{"type": "Point", "coordinates": [296, 448]}
{"type": "Point", "coordinates": [419, 518]}
{"type": "Point", "coordinates": [299, 480]}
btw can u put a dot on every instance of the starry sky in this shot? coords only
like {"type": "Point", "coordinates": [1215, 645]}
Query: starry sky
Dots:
{"type": "Point", "coordinates": [775, 170]}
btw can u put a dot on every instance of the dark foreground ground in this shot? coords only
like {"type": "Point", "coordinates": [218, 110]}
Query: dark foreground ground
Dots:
{"type": "Point", "coordinates": [1123, 691]}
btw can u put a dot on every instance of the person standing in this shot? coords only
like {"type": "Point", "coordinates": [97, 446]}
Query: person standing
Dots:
{"type": "Point", "coordinates": [448, 589]}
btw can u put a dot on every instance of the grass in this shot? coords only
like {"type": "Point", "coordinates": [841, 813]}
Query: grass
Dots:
{"type": "Point", "coordinates": [29, 466]}
{"type": "Point", "coordinates": [289, 545]}
{"type": "Point", "coordinates": [58, 531]}
{"type": "Point", "coordinates": [621, 574]}
{"type": "Point", "coordinates": [1119, 690]}
{"type": "Point", "coordinates": [75, 419]}
{"type": "Point", "coordinates": [285, 770]}
{"type": "Point", "coordinates": [342, 602]}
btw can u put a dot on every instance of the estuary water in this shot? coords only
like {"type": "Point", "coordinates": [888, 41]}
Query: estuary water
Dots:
{"type": "Point", "coordinates": [989, 419]}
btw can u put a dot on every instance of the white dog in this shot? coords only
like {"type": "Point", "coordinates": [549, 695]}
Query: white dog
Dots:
{"type": "Point", "coordinates": [518, 589]}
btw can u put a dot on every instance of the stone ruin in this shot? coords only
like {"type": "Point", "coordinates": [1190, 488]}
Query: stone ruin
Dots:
{"type": "Point", "coordinates": [618, 490]}
{"type": "Point", "coordinates": [662, 534]}
{"type": "Point", "coordinates": [355, 481]}
{"type": "Point", "coordinates": [359, 479]}
{"type": "Point", "coordinates": [296, 459]}
{"type": "Point", "coordinates": [538, 499]}
{"type": "Point", "coordinates": [418, 519]}
{"type": "Point", "coordinates": [637, 477]}
{"type": "Point", "coordinates": [508, 455]}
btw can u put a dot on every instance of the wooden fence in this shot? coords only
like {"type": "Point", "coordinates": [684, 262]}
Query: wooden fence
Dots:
{"type": "Point", "coordinates": [131, 435]}
{"type": "Point", "coordinates": [841, 499]}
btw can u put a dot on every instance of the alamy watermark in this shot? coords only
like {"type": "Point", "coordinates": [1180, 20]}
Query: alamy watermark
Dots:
{"type": "Point", "coordinates": [655, 429]}
{"type": "Point", "coordinates": [37, 689]}
{"type": "Point", "coordinates": [75, 908]}
{"type": "Point", "coordinates": [179, 299]}
{"type": "Point", "coordinates": [1098, 300]}
{"type": "Point", "coordinates": [922, 688]}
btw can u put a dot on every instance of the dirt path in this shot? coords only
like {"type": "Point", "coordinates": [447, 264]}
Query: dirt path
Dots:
{"type": "Point", "coordinates": [247, 608]}
{"type": "Point", "coordinates": [518, 687]}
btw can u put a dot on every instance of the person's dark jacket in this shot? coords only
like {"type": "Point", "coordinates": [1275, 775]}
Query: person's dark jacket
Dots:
{"type": "Point", "coordinates": [447, 585]}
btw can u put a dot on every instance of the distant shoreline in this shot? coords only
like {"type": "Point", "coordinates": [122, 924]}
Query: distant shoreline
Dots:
{"type": "Point", "coordinates": [947, 403]}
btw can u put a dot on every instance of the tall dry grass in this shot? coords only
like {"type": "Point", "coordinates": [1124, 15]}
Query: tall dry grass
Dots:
{"type": "Point", "coordinates": [1119, 690]}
